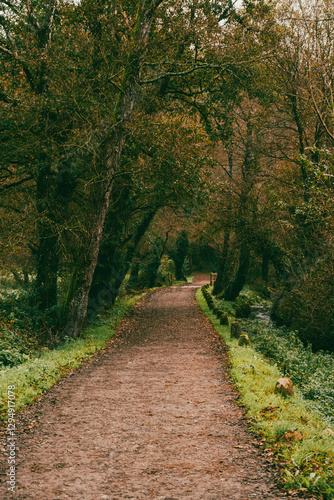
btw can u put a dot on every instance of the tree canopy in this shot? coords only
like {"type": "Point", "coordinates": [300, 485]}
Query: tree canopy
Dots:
{"type": "Point", "coordinates": [137, 133]}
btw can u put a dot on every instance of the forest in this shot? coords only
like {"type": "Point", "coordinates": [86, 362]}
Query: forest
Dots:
{"type": "Point", "coordinates": [147, 138]}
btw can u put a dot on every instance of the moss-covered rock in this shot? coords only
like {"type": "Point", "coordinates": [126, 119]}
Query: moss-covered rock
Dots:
{"type": "Point", "coordinates": [235, 329]}
{"type": "Point", "coordinates": [244, 340]}
{"type": "Point", "coordinates": [284, 386]}
{"type": "Point", "coordinates": [223, 318]}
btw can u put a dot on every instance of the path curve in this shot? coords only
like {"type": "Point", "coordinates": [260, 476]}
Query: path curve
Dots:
{"type": "Point", "coordinates": [154, 416]}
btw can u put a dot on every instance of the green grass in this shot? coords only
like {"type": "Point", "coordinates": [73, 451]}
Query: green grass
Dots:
{"type": "Point", "coordinates": [297, 439]}
{"type": "Point", "coordinates": [36, 376]}
{"type": "Point", "coordinates": [190, 279]}
{"type": "Point", "coordinates": [313, 372]}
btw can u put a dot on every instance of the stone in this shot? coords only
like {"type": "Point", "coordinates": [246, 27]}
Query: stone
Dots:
{"type": "Point", "coordinates": [235, 329]}
{"type": "Point", "coordinates": [244, 339]}
{"type": "Point", "coordinates": [223, 318]}
{"type": "Point", "coordinates": [328, 433]}
{"type": "Point", "coordinates": [213, 277]}
{"type": "Point", "coordinates": [284, 386]}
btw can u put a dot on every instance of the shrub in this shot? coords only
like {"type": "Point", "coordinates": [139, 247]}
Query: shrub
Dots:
{"type": "Point", "coordinates": [24, 330]}
{"type": "Point", "coordinates": [14, 347]}
{"type": "Point", "coordinates": [242, 307]}
{"type": "Point", "coordinates": [312, 372]}
{"type": "Point", "coordinates": [243, 304]}
{"type": "Point", "coordinates": [309, 308]}
{"type": "Point", "coordinates": [165, 269]}
{"type": "Point", "coordinates": [223, 318]}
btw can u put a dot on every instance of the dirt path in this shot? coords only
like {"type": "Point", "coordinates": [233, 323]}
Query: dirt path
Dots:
{"type": "Point", "coordinates": [153, 417]}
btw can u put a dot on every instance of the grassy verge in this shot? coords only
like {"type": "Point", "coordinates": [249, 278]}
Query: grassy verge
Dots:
{"type": "Point", "coordinates": [189, 280]}
{"type": "Point", "coordinates": [37, 375]}
{"type": "Point", "coordinates": [297, 439]}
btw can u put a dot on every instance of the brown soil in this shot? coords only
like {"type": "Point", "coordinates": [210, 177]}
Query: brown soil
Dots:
{"type": "Point", "coordinates": [154, 416]}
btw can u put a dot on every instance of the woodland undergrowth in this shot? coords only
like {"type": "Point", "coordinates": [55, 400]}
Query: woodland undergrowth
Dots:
{"type": "Point", "coordinates": [296, 437]}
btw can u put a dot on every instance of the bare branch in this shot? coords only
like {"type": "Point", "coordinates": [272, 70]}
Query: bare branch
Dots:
{"type": "Point", "coordinates": [9, 38]}
{"type": "Point", "coordinates": [51, 21]}
{"type": "Point", "coordinates": [181, 73]}
{"type": "Point", "coordinates": [321, 118]}
{"type": "Point", "coordinates": [208, 66]}
{"type": "Point", "coordinates": [320, 20]}
{"type": "Point", "coordinates": [17, 183]}
{"type": "Point", "coordinates": [25, 68]}
{"type": "Point", "coordinates": [157, 3]}
{"type": "Point", "coordinates": [31, 16]}
{"type": "Point", "coordinates": [6, 51]}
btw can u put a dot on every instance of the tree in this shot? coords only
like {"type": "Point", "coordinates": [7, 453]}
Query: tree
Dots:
{"type": "Point", "coordinates": [179, 254]}
{"type": "Point", "coordinates": [137, 44]}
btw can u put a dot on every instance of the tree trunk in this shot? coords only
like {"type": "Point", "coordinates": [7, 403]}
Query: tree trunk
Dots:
{"type": "Point", "coordinates": [180, 254]}
{"type": "Point", "coordinates": [265, 266]}
{"type": "Point", "coordinates": [222, 269]}
{"type": "Point", "coordinates": [109, 276]}
{"type": "Point", "coordinates": [47, 271]}
{"type": "Point", "coordinates": [75, 308]}
{"type": "Point", "coordinates": [111, 151]}
{"type": "Point", "coordinates": [239, 281]}
{"type": "Point", "coordinates": [179, 276]}
{"type": "Point", "coordinates": [133, 279]}
{"type": "Point", "coordinates": [47, 256]}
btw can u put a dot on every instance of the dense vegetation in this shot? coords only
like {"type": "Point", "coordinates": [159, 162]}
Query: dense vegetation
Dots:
{"type": "Point", "coordinates": [294, 430]}
{"type": "Point", "coordinates": [312, 372]}
{"type": "Point", "coordinates": [146, 139]}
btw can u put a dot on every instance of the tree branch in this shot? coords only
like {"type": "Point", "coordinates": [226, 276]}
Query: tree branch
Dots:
{"type": "Point", "coordinates": [181, 73]}
{"type": "Point", "coordinates": [6, 51]}
{"type": "Point", "coordinates": [17, 183]}
{"type": "Point", "coordinates": [330, 134]}
{"type": "Point", "coordinates": [207, 66]}
{"type": "Point", "coordinates": [51, 21]}
{"type": "Point", "coordinates": [31, 16]}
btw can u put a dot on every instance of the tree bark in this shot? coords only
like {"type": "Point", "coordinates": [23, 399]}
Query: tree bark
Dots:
{"type": "Point", "coordinates": [109, 276]}
{"type": "Point", "coordinates": [133, 279]}
{"type": "Point", "coordinates": [76, 305]}
{"type": "Point", "coordinates": [47, 270]}
{"type": "Point", "coordinates": [265, 266]}
{"type": "Point", "coordinates": [47, 255]}
{"type": "Point", "coordinates": [239, 281]}
{"type": "Point", "coordinates": [222, 268]}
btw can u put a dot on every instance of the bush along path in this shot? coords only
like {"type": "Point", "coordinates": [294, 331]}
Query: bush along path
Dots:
{"type": "Point", "coordinates": [153, 416]}
{"type": "Point", "coordinates": [297, 432]}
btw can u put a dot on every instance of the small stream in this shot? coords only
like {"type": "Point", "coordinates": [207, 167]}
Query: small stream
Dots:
{"type": "Point", "coordinates": [261, 313]}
